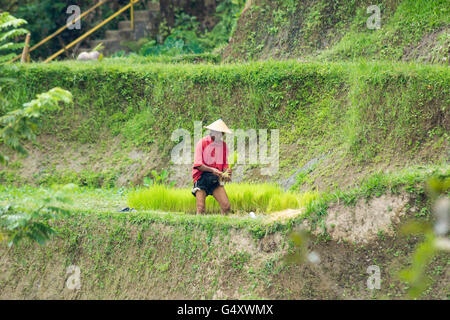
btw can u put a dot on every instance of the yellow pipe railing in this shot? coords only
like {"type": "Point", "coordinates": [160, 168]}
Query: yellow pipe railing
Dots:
{"type": "Point", "coordinates": [128, 6]}
{"type": "Point", "coordinates": [62, 29]}
{"type": "Point", "coordinates": [132, 15]}
{"type": "Point", "coordinates": [70, 45]}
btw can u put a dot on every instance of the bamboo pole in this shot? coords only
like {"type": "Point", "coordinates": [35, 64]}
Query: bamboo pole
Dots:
{"type": "Point", "coordinates": [132, 15]}
{"type": "Point", "coordinates": [25, 52]}
{"type": "Point", "coordinates": [61, 43]}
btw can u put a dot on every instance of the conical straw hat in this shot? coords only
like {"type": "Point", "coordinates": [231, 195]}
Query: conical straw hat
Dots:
{"type": "Point", "coordinates": [219, 125]}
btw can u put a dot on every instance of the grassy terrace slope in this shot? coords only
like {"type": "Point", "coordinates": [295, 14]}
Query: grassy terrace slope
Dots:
{"type": "Point", "coordinates": [359, 142]}
{"type": "Point", "coordinates": [336, 30]}
{"type": "Point", "coordinates": [174, 255]}
{"type": "Point", "coordinates": [358, 117]}
{"type": "Point", "coordinates": [123, 257]}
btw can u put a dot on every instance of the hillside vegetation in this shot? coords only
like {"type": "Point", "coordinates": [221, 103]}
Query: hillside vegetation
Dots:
{"type": "Point", "coordinates": [363, 119]}
{"type": "Point", "coordinates": [336, 30]}
{"type": "Point", "coordinates": [369, 116]}
{"type": "Point", "coordinates": [153, 255]}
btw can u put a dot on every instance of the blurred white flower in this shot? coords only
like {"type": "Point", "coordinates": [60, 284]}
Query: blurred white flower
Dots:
{"type": "Point", "coordinates": [442, 244]}
{"type": "Point", "coordinates": [442, 213]}
{"type": "Point", "coordinates": [313, 257]}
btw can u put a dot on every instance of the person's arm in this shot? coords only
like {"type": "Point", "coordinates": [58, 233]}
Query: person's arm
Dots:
{"type": "Point", "coordinates": [198, 161]}
{"type": "Point", "coordinates": [205, 168]}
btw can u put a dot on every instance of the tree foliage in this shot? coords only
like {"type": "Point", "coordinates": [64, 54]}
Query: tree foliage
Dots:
{"type": "Point", "coordinates": [17, 224]}
{"type": "Point", "coordinates": [9, 30]}
{"type": "Point", "coordinates": [21, 124]}
{"type": "Point", "coordinates": [435, 239]}
{"type": "Point", "coordinates": [18, 125]}
{"type": "Point", "coordinates": [186, 35]}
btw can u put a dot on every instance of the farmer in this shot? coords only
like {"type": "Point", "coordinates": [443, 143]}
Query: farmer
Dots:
{"type": "Point", "coordinates": [210, 164]}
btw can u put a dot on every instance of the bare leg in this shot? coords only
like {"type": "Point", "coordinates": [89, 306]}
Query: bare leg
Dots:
{"type": "Point", "coordinates": [201, 197]}
{"type": "Point", "coordinates": [221, 196]}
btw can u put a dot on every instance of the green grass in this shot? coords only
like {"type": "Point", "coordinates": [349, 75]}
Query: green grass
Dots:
{"type": "Point", "coordinates": [184, 58]}
{"type": "Point", "coordinates": [244, 197]}
{"type": "Point", "coordinates": [83, 198]}
{"type": "Point", "coordinates": [412, 180]}
{"type": "Point", "coordinates": [306, 26]}
{"type": "Point", "coordinates": [104, 203]}
{"type": "Point", "coordinates": [364, 108]}
{"type": "Point", "coordinates": [404, 26]}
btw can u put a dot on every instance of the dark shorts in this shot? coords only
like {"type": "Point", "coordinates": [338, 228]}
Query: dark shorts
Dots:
{"type": "Point", "coordinates": [207, 182]}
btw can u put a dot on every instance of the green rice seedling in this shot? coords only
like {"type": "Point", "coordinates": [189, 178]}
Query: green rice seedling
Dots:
{"type": "Point", "coordinates": [244, 197]}
{"type": "Point", "coordinates": [306, 198]}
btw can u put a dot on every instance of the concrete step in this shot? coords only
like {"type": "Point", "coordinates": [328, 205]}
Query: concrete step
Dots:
{"type": "Point", "coordinates": [142, 15]}
{"type": "Point", "coordinates": [123, 34]}
{"type": "Point", "coordinates": [127, 35]}
{"type": "Point", "coordinates": [111, 46]}
{"type": "Point", "coordinates": [112, 35]}
{"type": "Point", "coordinates": [153, 6]}
{"type": "Point", "coordinates": [126, 24]}
{"type": "Point", "coordinates": [144, 23]}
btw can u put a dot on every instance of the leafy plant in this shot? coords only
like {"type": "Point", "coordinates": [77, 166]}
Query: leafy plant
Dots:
{"type": "Point", "coordinates": [15, 126]}
{"type": "Point", "coordinates": [9, 30]}
{"type": "Point", "coordinates": [228, 13]}
{"type": "Point", "coordinates": [239, 259]}
{"type": "Point", "coordinates": [185, 36]}
{"type": "Point", "coordinates": [17, 223]}
{"type": "Point", "coordinates": [21, 123]}
{"type": "Point", "coordinates": [158, 179]}
{"type": "Point", "coordinates": [435, 241]}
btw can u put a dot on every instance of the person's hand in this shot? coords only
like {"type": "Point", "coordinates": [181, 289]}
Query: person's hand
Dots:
{"type": "Point", "coordinates": [227, 175]}
{"type": "Point", "coordinates": [216, 172]}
